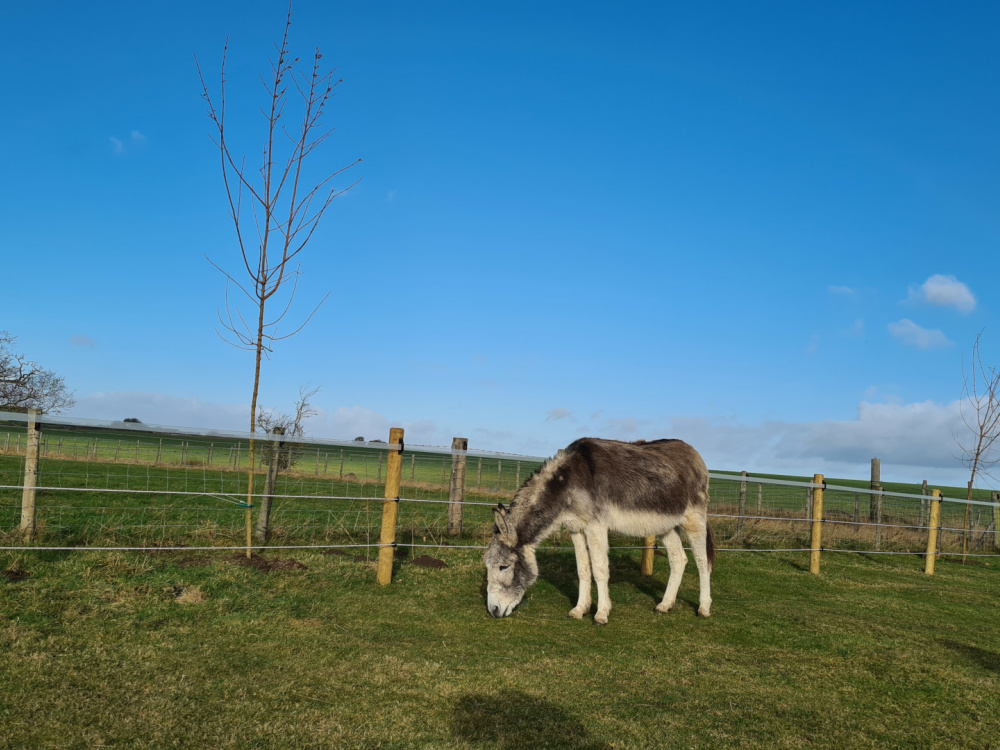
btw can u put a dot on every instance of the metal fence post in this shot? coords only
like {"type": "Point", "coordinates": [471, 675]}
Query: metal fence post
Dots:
{"type": "Point", "coordinates": [817, 524]}
{"type": "Point", "coordinates": [456, 492]}
{"type": "Point", "coordinates": [932, 532]}
{"type": "Point", "coordinates": [30, 475]}
{"type": "Point", "coordinates": [390, 507]}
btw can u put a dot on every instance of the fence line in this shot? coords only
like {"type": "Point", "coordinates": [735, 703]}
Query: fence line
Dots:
{"type": "Point", "coordinates": [315, 508]}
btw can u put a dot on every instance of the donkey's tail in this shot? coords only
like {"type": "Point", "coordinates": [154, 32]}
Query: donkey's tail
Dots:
{"type": "Point", "coordinates": [709, 546]}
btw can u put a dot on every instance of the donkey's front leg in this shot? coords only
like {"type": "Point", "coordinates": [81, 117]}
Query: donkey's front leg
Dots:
{"type": "Point", "coordinates": [583, 573]}
{"type": "Point", "coordinates": [597, 543]}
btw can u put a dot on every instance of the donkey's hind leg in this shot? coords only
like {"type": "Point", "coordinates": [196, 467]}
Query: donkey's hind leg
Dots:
{"type": "Point", "coordinates": [678, 560]}
{"type": "Point", "coordinates": [700, 537]}
{"type": "Point", "coordinates": [583, 572]}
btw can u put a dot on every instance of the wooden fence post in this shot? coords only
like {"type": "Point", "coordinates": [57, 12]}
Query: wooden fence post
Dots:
{"type": "Point", "coordinates": [646, 565]}
{"type": "Point", "coordinates": [995, 497]}
{"type": "Point", "coordinates": [932, 532]}
{"type": "Point", "coordinates": [30, 475]}
{"type": "Point", "coordinates": [875, 508]}
{"type": "Point", "coordinates": [965, 524]}
{"type": "Point", "coordinates": [456, 492]}
{"type": "Point", "coordinates": [270, 482]}
{"type": "Point", "coordinates": [743, 505]}
{"type": "Point", "coordinates": [390, 507]}
{"type": "Point", "coordinates": [817, 524]}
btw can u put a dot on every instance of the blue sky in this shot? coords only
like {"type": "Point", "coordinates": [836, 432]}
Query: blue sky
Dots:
{"type": "Point", "coordinates": [770, 229]}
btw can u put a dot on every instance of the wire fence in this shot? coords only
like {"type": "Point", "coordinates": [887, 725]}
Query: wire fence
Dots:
{"type": "Point", "coordinates": [104, 486]}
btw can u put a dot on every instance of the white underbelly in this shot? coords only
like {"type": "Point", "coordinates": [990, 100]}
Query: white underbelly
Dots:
{"type": "Point", "coordinates": [640, 522]}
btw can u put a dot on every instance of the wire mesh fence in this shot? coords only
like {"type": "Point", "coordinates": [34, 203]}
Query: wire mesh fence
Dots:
{"type": "Point", "coordinates": [125, 485]}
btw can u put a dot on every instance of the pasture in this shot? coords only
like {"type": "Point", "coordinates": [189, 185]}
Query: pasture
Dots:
{"type": "Point", "coordinates": [197, 649]}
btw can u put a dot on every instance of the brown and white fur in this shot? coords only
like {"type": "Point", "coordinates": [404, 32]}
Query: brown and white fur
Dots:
{"type": "Point", "coordinates": [595, 486]}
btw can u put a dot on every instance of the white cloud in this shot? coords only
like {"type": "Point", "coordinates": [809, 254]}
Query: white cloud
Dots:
{"type": "Point", "coordinates": [117, 146]}
{"type": "Point", "coordinates": [857, 330]}
{"type": "Point", "coordinates": [944, 291]}
{"type": "Point", "coordinates": [913, 335]}
{"type": "Point", "coordinates": [914, 441]}
{"type": "Point", "coordinates": [846, 290]}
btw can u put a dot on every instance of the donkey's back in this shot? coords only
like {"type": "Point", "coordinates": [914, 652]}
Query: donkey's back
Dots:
{"type": "Point", "coordinates": [666, 477]}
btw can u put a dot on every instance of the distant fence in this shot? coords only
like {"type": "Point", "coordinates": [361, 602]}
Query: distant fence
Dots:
{"type": "Point", "coordinates": [71, 484]}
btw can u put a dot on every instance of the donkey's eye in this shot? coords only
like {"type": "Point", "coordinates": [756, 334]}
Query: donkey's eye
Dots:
{"type": "Point", "coordinates": [504, 567]}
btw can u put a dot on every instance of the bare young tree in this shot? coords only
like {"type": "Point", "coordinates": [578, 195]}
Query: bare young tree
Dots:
{"type": "Point", "coordinates": [279, 455]}
{"type": "Point", "coordinates": [271, 422]}
{"type": "Point", "coordinates": [980, 411]}
{"type": "Point", "coordinates": [24, 384]}
{"type": "Point", "coordinates": [273, 208]}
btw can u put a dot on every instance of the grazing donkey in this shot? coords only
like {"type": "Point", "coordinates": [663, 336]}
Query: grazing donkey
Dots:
{"type": "Point", "coordinates": [593, 487]}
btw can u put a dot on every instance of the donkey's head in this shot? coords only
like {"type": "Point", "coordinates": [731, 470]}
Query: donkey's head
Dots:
{"type": "Point", "coordinates": [510, 569]}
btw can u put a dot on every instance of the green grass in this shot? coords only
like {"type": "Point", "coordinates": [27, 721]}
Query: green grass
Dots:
{"type": "Point", "coordinates": [102, 447]}
{"type": "Point", "coordinates": [193, 650]}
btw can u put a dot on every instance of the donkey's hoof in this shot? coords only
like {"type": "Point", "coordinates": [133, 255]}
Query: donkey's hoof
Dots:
{"type": "Point", "coordinates": [576, 614]}
{"type": "Point", "coordinates": [705, 610]}
{"type": "Point", "coordinates": [600, 619]}
{"type": "Point", "coordinates": [662, 608]}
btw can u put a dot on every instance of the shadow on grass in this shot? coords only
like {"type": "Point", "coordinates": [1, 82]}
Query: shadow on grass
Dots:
{"type": "Point", "coordinates": [518, 720]}
{"type": "Point", "coordinates": [988, 660]}
{"type": "Point", "coordinates": [559, 569]}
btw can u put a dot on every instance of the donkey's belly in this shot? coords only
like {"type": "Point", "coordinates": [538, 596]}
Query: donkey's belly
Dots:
{"type": "Point", "coordinates": [640, 522]}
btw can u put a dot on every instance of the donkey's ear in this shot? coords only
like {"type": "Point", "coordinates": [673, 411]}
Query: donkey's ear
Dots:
{"type": "Point", "coordinates": [504, 528]}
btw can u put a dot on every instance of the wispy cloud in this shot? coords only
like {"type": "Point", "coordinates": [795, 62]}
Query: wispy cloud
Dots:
{"type": "Point", "coordinates": [857, 330]}
{"type": "Point", "coordinates": [81, 340]}
{"type": "Point", "coordinates": [556, 414]}
{"type": "Point", "coordinates": [913, 335]}
{"type": "Point", "coordinates": [944, 291]}
{"type": "Point", "coordinates": [134, 142]}
{"type": "Point", "coordinates": [845, 290]}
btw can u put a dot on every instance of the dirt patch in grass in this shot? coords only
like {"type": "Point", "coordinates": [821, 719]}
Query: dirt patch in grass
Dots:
{"type": "Point", "coordinates": [289, 564]}
{"type": "Point", "coordinates": [334, 552]}
{"type": "Point", "coordinates": [425, 561]}
{"type": "Point", "coordinates": [266, 566]}
{"type": "Point", "coordinates": [194, 562]}
{"type": "Point", "coordinates": [14, 575]}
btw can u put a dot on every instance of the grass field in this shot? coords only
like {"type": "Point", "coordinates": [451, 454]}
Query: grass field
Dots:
{"type": "Point", "coordinates": [196, 650]}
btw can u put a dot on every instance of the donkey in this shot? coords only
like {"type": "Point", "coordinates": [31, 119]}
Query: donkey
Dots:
{"type": "Point", "coordinates": [595, 486]}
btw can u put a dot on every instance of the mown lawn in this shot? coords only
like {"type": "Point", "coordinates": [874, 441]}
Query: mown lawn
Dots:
{"type": "Point", "coordinates": [195, 650]}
